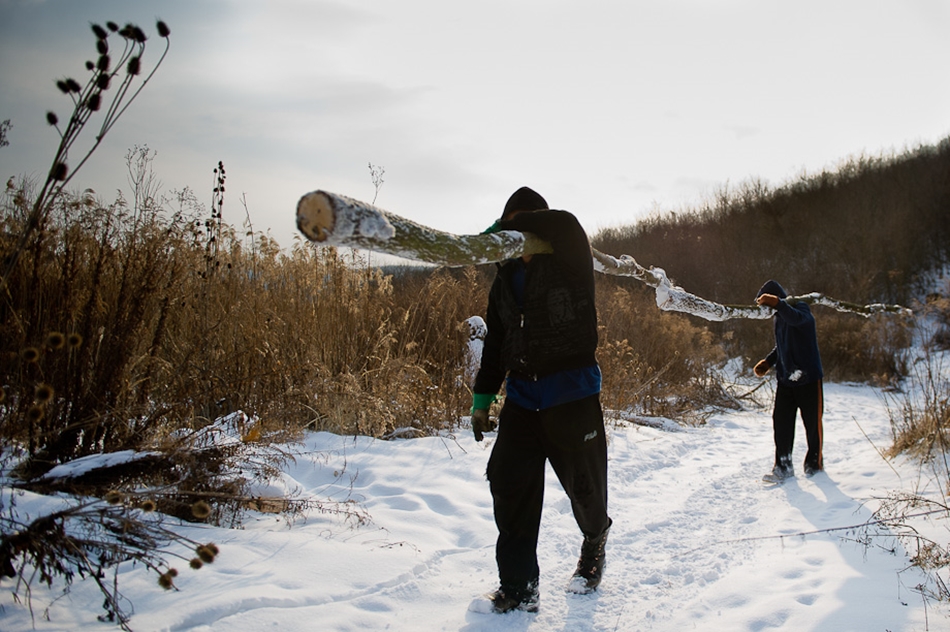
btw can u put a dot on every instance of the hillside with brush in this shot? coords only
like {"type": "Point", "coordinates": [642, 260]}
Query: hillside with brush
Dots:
{"type": "Point", "coordinates": [874, 229]}
{"type": "Point", "coordinates": [871, 229]}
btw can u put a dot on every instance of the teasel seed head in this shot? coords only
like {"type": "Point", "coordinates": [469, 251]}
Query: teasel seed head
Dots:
{"type": "Point", "coordinates": [148, 505]}
{"type": "Point", "coordinates": [90, 66]}
{"type": "Point", "coordinates": [165, 581]}
{"type": "Point", "coordinates": [113, 497]}
{"type": "Point", "coordinates": [73, 85]}
{"type": "Point", "coordinates": [138, 35]}
{"type": "Point", "coordinates": [102, 47]}
{"type": "Point", "coordinates": [135, 66]}
{"type": "Point", "coordinates": [30, 354]}
{"type": "Point", "coordinates": [163, 30]}
{"type": "Point", "coordinates": [103, 63]}
{"type": "Point", "coordinates": [206, 553]}
{"type": "Point", "coordinates": [43, 395]}
{"type": "Point", "coordinates": [196, 563]}
{"type": "Point", "coordinates": [63, 86]}
{"type": "Point", "coordinates": [35, 414]}
{"type": "Point", "coordinates": [55, 340]}
{"type": "Point", "coordinates": [59, 171]}
{"type": "Point", "coordinates": [94, 102]}
{"type": "Point", "coordinates": [201, 510]}
{"type": "Point", "coordinates": [74, 341]}
{"type": "Point", "coordinates": [99, 31]}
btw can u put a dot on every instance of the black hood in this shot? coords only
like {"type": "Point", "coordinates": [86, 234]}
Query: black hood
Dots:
{"type": "Point", "coordinates": [524, 199]}
{"type": "Point", "coordinates": [772, 287]}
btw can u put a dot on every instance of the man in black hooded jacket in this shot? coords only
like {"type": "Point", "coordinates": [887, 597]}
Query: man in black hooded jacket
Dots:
{"type": "Point", "coordinates": [799, 375]}
{"type": "Point", "coordinates": [542, 335]}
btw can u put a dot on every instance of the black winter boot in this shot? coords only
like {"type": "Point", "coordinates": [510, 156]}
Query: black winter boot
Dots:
{"type": "Point", "coordinates": [590, 566]}
{"type": "Point", "coordinates": [782, 470]}
{"type": "Point", "coordinates": [509, 597]}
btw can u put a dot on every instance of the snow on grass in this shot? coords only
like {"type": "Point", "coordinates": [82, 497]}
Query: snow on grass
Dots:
{"type": "Point", "coordinates": [698, 542]}
{"type": "Point", "coordinates": [86, 464]}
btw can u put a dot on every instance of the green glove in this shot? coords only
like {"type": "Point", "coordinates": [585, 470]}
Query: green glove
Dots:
{"type": "Point", "coordinates": [482, 400]}
{"type": "Point", "coordinates": [494, 228]}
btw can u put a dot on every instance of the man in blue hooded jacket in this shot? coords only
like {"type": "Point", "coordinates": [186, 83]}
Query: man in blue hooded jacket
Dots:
{"type": "Point", "coordinates": [797, 364]}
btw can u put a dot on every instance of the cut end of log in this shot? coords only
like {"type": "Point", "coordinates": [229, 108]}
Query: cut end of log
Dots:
{"type": "Point", "coordinates": [315, 216]}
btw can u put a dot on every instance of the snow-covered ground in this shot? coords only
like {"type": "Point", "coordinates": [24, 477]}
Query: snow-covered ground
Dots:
{"type": "Point", "coordinates": [699, 542]}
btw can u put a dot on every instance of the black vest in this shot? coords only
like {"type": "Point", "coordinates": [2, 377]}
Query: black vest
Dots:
{"type": "Point", "coordinates": [556, 329]}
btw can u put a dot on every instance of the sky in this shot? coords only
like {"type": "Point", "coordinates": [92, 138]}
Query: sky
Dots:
{"type": "Point", "coordinates": [698, 541]}
{"type": "Point", "coordinates": [614, 110]}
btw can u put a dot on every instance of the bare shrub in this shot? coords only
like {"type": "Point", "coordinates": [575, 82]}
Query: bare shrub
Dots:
{"type": "Point", "coordinates": [99, 280]}
{"type": "Point", "coordinates": [937, 309]}
{"type": "Point", "coordinates": [655, 362]}
{"type": "Point", "coordinates": [874, 349]}
{"type": "Point", "coordinates": [920, 427]}
{"type": "Point", "coordinates": [124, 329]}
{"type": "Point", "coordinates": [900, 512]}
{"type": "Point", "coordinates": [920, 418]}
{"type": "Point", "coordinates": [87, 539]}
{"type": "Point", "coordinates": [412, 378]}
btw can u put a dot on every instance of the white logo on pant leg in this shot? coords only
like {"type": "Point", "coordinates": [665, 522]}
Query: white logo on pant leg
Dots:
{"type": "Point", "coordinates": [589, 436]}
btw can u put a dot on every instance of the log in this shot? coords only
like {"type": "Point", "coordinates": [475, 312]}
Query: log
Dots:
{"type": "Point", "coordinates": [336, 220]}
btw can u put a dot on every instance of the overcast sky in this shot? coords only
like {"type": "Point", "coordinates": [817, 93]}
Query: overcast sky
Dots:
{"type": "Point", "coordinates": [610, 109]}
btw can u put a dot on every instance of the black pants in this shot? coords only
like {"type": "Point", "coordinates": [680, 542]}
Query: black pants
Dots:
{"type": "Point", "coordinates": [808, 399]}
{"type": "Point", "coordinates": [572, 437]}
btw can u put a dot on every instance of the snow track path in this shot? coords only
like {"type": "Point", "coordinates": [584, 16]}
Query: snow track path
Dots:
{"type": "Point", "coordinates": [698, 542]}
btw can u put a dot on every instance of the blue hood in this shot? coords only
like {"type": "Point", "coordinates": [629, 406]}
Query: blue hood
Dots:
{"type": "Point", "coordinates": [772, 287]}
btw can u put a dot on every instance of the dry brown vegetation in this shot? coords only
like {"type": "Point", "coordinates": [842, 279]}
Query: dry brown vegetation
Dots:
{"type": "Point", "coordinates": [920, 427]}
{"type": "Point", "coordinates": [653, 362]}
{"type": "Point", "coordinates": [920, 413]}
{"type": "Point", "coordinates": [139, 318]}
{"type": "Point", "coordinates": [170, 319]}
{"type": "Point", "coordinates": [143, 318]}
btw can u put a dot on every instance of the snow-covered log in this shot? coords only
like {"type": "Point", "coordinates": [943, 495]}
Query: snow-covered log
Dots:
{"type": "Point", "coordinates": [336, 220]}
